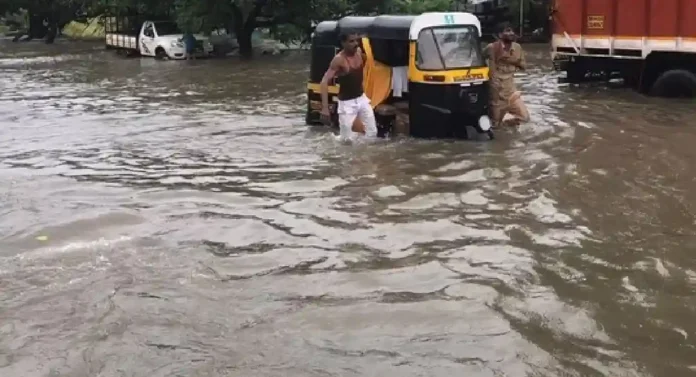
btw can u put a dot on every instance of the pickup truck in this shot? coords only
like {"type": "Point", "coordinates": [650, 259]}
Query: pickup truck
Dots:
{"type": "Point", "coordinates": [161, 39]}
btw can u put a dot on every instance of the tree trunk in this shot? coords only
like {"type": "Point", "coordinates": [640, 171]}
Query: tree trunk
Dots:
{"type": "Point", "coordinates": [52, 31]}
{"type": "Point", "coordinates": [37, 29]}
{"type": "Point", "coordinates": [244, 40]}
{"type": "Point", "coordinates": [244, 29]}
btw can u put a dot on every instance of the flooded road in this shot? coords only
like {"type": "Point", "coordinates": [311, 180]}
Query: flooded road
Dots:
{"type": "Point", "coordinates": [179, 219]}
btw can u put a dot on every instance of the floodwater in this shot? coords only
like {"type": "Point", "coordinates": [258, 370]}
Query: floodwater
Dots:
{"type": "Point", "coordinates": [179, 219]}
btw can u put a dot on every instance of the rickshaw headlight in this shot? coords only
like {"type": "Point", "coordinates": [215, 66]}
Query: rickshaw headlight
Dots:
{"type": "Point", "coordinates": [484, 123]}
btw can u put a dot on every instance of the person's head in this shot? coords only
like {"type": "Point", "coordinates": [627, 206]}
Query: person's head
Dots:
{"type": "Point", "coordinates": [505, 32]}
{"type": "Point", "coordinates": [349, 42]}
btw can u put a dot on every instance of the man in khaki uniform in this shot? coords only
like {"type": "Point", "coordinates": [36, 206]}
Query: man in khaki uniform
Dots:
{"type": "Point", "coordinates": [505, 57]}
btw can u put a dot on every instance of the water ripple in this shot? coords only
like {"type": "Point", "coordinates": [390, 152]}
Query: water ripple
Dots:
{"type": "Point", "coordinates": [165, 221]}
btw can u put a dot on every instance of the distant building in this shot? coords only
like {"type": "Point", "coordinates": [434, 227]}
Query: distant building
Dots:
{"type": "Point", "coordinates": [493, 12]}
{"type": "Point", "coordinates": [490, 12]}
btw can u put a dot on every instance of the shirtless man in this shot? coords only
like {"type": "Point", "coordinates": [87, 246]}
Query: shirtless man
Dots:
{"type": "Point", "coordinates": [348, 65]}
{"type": "Point", "coordinates": [505, 57]}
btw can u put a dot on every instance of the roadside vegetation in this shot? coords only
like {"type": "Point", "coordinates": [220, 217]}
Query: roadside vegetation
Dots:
{"type": "Point", "coordinates": [288, 21]}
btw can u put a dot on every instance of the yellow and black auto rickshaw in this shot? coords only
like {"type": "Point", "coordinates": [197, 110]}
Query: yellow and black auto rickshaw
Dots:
{"type": "Point", "coordinates": [430, 65]}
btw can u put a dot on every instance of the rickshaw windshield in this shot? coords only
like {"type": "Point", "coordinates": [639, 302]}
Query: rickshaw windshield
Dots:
{"type": "Point", "coordinates": [449, 48]}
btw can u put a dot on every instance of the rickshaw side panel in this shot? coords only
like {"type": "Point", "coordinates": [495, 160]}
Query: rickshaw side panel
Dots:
{"type": "Point", "coordinates": [389, 39]}
{"type": "Point", "coordinates": [321, 60]}
{"type": "Point", "coordinates": [324, 47]}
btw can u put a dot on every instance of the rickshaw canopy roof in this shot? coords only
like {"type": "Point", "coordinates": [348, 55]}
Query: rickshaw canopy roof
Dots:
{"type": "Point", "coordinates": [395, 27]}
{"type": "Point", "coordinates": [391, 27]}
{"type": "Point", "coordinates": [326, 27]}
{"type": "Point", "coordinates": [326, 33]}
{"type": "Point", "coordinates": [354, 24]}
{"type": "Point", "coordinates": [440, 19]}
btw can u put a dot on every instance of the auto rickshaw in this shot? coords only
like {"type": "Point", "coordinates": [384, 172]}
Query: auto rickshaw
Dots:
{"type": "Point", "coordinates": [430, 65]}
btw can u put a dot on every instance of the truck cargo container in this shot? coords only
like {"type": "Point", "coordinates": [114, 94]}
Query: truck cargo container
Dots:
{"type": "Point", "coordinates": [651, 44]}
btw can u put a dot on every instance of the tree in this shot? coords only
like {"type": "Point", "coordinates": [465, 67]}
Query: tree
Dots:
{"type": "Point", "coordinates": [419, 6]}
{"type": "Point", "coordinates": [294, 20]}
{"type": "Point", "coordinates": [45, 17]}
{"type": "Point", "coordinates": [241, 17]}
{"type": "Point", "coordinates": [288, 20]}
{"type": "Point", "coordinates": [245, 20]}
{"type": "Point", "coordinates": [285, 18]}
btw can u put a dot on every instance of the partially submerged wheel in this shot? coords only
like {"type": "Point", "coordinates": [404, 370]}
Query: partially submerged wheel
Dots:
{"type": "Point", "coordinates": [676, 83]}
{"type": "Point", "coordinates": [161, 54]}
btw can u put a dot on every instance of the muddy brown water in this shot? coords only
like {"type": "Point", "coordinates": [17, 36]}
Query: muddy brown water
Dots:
{"type": "Point", "coordinates": [179, 219]}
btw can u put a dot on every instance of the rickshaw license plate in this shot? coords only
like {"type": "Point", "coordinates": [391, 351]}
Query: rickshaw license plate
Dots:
{"type": "Point", "coordinates": [469, 77]}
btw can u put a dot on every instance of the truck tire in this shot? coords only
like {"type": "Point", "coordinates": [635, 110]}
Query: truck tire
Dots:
{"type": "Point", "coordinates": [161, 54]}
{"type": "Point", "coordinates": [676, 83]}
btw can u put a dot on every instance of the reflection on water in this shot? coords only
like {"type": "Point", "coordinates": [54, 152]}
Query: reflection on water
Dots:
{"type": "Point", "coordinates": [177, 218]}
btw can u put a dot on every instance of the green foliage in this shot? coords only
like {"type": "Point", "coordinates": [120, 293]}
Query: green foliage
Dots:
{"type": "Point", "coordinates": [202, 15]}
{"type": "Point", "coordinates": [288, 20]}
{"type": "Point", "coordinates": [288, 34]}
{"type": "Point", "coordinates": [420, 6]}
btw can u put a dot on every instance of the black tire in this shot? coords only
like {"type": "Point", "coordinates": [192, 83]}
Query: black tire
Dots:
{"type": "Point", "coordinates": [161, 54]}
{"type": "Point", "coordinates": [676, 83]}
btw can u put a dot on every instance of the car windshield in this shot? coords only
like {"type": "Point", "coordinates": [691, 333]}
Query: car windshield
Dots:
{"type": "Point", "coordinates": [167, 28]}
{"type": "Point", "coordinates": [449, 48]}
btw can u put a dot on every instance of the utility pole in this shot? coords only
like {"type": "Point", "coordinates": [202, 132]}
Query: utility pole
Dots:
{"type": "Point", "coordinates": [521, 17]}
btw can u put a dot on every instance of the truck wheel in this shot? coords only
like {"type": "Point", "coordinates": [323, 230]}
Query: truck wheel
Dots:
{"type": "Point", "coordinates": [161, 54]}
{"type": "Point", "coordinates": [674, 84]}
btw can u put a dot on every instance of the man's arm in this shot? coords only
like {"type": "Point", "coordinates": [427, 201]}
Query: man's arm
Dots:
{"type": "Point", "coordinates": [487, 51]}
{"type": "Point", "coordinates": [334, 67]}
{"type": "Point", "coordinates": [522, 61]}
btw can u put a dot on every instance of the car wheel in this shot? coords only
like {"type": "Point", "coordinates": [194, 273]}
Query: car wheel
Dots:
{"type": "Point", "coordinates": [161, 54]}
